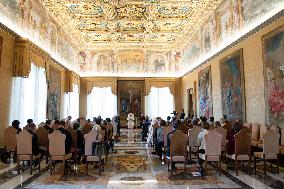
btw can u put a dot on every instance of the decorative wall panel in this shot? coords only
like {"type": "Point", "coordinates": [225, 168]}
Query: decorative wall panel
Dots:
{"type": "Point", "coordinates": [273, 57]}
{"type": "Point", "coordinates": [54, 94]}
{"type": "Point", "coordinates": [232, 85]}
{"type": "Point", "coordinates": [205, 92]}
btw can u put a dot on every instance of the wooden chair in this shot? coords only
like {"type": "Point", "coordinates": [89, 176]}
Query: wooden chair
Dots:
{"type": "Point", "coordinates": [57, 150]}
{"type": "Point", "coordinates": [90, 138]}
{"type": "Point", "coordinates": [178, 148]}
{"type": "Point", "coordinates": [74, 149]}
{"type": "Point", "coordinates": [262, 130]}
{"type": "Point", "coordinates": [25, 150]}
{"type": "Point", "coordinates": [10, 140]}
{"type": "Point", "coordinates": [42, 135]}
{"type": "Point", "coordinates": [212, 145]}
{"type": "Point", "coordinates": [242, 149]}
{"type": "Point", "coordinates": [183, 128]}
{"type": "Point", "coordinates": [270, 149]}
{"type": "Point", "coordinates": [282, 141]}
{"type": "Point", "coordinates": [86, 129]}
{"type": "Point", "coordinates": [248, 125]}
{"type": "Point", "coordinates": [255, 129]}
{"type": "Point", "coordinates": [223, 132]}
{"type": "Point", "coordinates": [192, 140]}
{"type": "Point", "coordinates": [228, 127]}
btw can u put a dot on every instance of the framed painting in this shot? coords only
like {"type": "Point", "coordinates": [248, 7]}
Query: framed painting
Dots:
{"type": "Point", "coordinates": [232, 86]}
{"type": "Point", "coordinates": [54, 94]}
{"type": "Point", "coordinates": [205, 92]}
{"type": "Point", "coordinates": [273, 59]}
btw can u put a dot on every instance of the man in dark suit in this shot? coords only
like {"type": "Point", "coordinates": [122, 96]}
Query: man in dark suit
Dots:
{"type": "Point", "coordinates": [68, 139]}
{"type": "Point", "coordinates": [182, 114]}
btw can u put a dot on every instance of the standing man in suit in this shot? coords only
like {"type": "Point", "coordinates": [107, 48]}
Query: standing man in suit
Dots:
{"type": "Point", "coordinates": [182, 114]}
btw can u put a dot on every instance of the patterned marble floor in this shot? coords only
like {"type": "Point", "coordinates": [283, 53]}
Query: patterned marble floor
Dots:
{"type": "Point", "coordinates": [134, 166]}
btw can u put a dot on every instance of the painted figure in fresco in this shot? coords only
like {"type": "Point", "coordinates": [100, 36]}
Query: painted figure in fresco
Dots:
{"type": "Point", "coordinates": [124, 105]}
{"type": "Point", "coordinates": [135, 106]}
{"type": "Point", "coordinates": [54, 104]}
{"type": "Point", "coordinates": [159, 65]}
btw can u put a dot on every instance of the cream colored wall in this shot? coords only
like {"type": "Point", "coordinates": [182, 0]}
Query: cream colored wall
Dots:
{"type": "Point", "coordinates": [6, 70]}
{"type": "Point", "coordinates": [253, 74]}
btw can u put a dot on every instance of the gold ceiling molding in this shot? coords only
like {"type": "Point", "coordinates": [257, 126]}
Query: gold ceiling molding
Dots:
{"type": "Point", "coordinates": [159, 83]}
{"type": "Point", "coordinates": [152, 24]}
{"type": "Point", "coordinates": [102, 83]}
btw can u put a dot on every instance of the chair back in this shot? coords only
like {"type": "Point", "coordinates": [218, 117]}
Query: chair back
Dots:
{"type": "Point", "coordinates": [255, 131]}
{"type": "Point", "coordinates": [10, 140]}
{"type": "Point", "coordinates": [248, 125]}
{"type": "Point", "coordinates": [193, 135]}
{"type": "Point", "coordinates": [271, 143]}
{"type": "Point", "coordinates": [243, 142]}
{"type": "Point", "coordinates": [87, 128]}
{"type": "Point", "coordinates": [73, 135]}
{"type": "Point", "coordinates": [89, 139]}
{"type": "Point", "coordinates": [56, 143]}
{"type": "Point", "coordinates": [178, 144]}
{"type": "Point", "coordinates": [223, 132]}
{"type": "Point", "coordinates": [42, 135]}
{"type": "Point", "coordinates": [24, 143]}
{"type": "Point", "coordinates": [212, 143]}
{"type": "Point", "coordinates": [183, 128]}
{"type": "Point", "coordinates": [166, 132]}
{"type": "Point", "coordinates": [263, 129]}
{"type": "Point", "coordinates": [228, 127]}
{"type": "Point", "coordinates": [275, 128]}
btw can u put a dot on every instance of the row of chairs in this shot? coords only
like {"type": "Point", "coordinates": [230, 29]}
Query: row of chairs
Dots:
{"type": "Point", "coordinates": [53, 145]}
{"type": "Point", "coordinates": [182, 146]}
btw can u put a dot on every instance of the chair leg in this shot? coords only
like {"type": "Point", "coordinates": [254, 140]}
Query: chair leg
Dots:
{"type": "Point", "coordinates": [31, 165]}
{"type": "Point", "coordinates": [278, 163]}
{"type": "Point", "coordinates": [254, 162]}
{"type": "Point", "coordinates": [264, 160]}
{"type": "Point", "coordinates": [63, 166]}
{"type": "Point", "coordinates": [39, 165]}
{"type": "Point", "coordinates": [86, 171]}
{"type": "Point", "coordinates": [236, 166]}
{"type": "Point", "coordinates": [18, 165]}
{"type": "Point", "coordinates": [50, 166]}
{"type": "Point", "coordinates": [205, 163]}
{"type": "Point", "coordinates": [171, 168]}
{"type": "Point", "coordinates": [249, 164]}
{"type": "Point", "coordinates": [219, 165]}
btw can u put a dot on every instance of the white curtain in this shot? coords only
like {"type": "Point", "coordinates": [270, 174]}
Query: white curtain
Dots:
{"type": "Point", "coordinates": [29, 97]}
{"type": "Point", "coordinates": [101, 102]}
{"type": "Point", "coordinates": [159, 103]}
{"type": "Point", "coordinates": [71, 103]}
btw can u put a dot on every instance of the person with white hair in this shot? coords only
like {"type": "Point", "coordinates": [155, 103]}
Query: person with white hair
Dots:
{"type": "Point", "coordinates": [130, 119]}
{"type": "Point", "coordinates": [151, 131]}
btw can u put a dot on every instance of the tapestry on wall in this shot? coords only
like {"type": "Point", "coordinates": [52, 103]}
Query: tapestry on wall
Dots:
{"type": "Point", "coordinates": [130, 99]}
{"type": "Point", "coordinates": [54, 92]}
{"type": "Point", "coordinates": [205, 92]}
{"type": "Point", "coordinates": [232, 85]}
{"type": "Point", "coordinates": [273, 58]}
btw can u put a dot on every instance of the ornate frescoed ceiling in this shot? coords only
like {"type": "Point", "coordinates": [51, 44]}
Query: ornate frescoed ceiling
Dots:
{"type": "Point", "coordinates": [131, 24]}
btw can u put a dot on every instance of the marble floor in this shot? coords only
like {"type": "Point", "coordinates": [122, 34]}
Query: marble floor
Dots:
{"type": "Point", "coordinates": [134, 166]}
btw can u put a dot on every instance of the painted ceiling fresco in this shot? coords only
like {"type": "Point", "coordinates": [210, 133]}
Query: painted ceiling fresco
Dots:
{"type": "Point", "coordinates": [142, 37]}
{"type": "Point", "coordinates": [109, 24]}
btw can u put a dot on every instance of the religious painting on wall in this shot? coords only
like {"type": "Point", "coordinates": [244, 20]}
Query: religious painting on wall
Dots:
{"type": "Point", "coordinates": [232, 85]}
{"type": "Point", "coordinates": [273, 58]}
{"type": "Point", "coordinates": [130, 98]}
{"type": "Point", "coordinates": [54, 93]}
{"type": "Point", "coordinates": [205, 92]}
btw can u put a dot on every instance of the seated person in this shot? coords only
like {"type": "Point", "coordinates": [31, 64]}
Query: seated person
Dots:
{"type": "Point", "coordinates": [201, 139]}
{"type": "Point", "coordinates": [68, 139]}
{"type": "Point", "coordinates": [47, 126]}
{"type": "Point", "coordinates": [231, 137]}
{"type": "Point", "coordinates": [80, 139]}
{"type": "Point", "coordinates": [211, 123]}
{"type": "Point", "coordinates": [29, 121]}
{"type": "Point", "coordinates": [217, 124]}
{"type": "Point", "coordinates": [160, 138]}
{"type": "Point", "coordinates": [16, 125]}
{"type": "Point", "coordinates": [35, 145]}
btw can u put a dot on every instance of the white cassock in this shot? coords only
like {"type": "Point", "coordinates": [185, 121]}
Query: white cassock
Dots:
{"type": "Point", "coordinates": [151, 132]}
{"type": "Point", "coordinates": [114, 124]}
{"type": "Point", "coordinates": [130, 119]}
